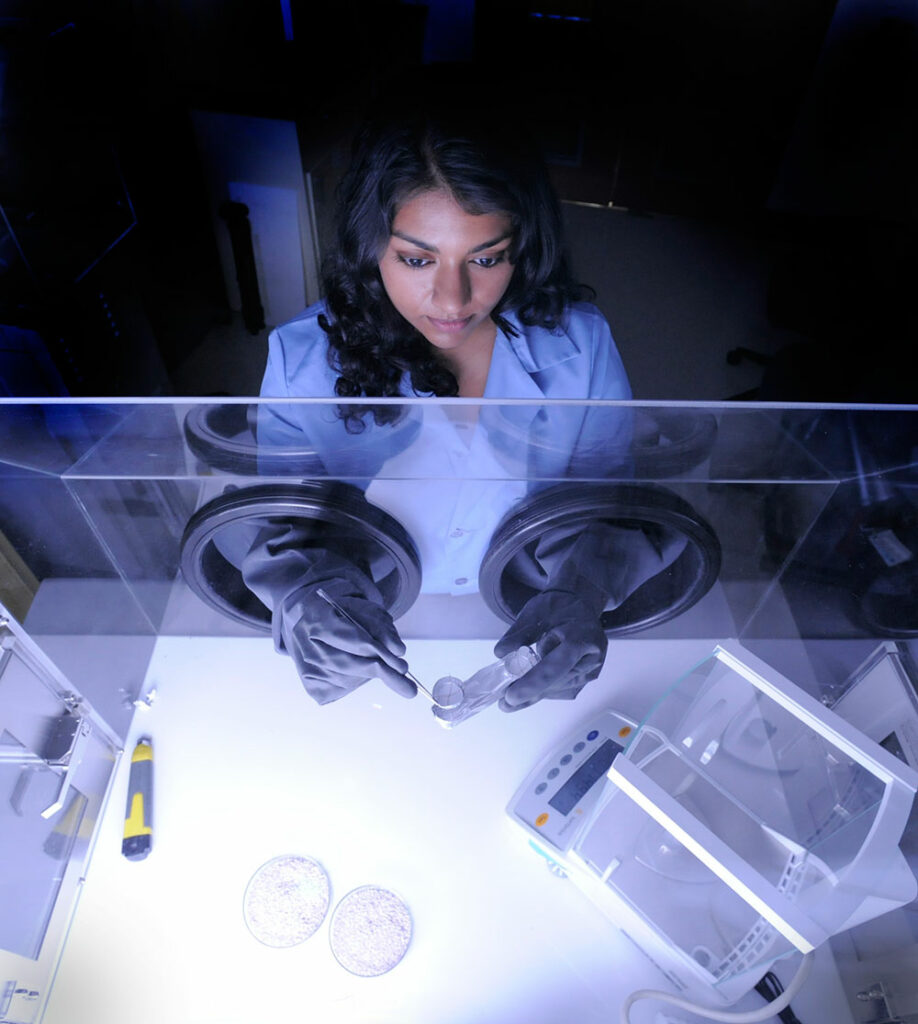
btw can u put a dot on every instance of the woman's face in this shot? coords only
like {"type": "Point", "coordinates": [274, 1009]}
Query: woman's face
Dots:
{"type": "Point", "coordinates": [445, 270]}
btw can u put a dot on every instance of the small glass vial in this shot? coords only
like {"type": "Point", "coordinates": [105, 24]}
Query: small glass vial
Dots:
{"type": "Point", "coordinates": [457, 700]}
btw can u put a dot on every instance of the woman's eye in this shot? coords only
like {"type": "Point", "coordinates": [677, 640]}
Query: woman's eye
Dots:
{"type": "Point", "coordinates": [415, 262]}
{"type": "Point", "coordinates": [490, 261]}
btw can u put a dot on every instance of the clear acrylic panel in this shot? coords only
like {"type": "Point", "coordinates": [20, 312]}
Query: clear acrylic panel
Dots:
{"type": "Point", "coordinates": [783, 523]}
{"type": "Point", "coordinates": [49, 437]}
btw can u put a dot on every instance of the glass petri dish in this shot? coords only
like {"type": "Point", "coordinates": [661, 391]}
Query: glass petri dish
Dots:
{"type": "Point", "coordinates": [286, 900]}
{"type": "Point", "coordinates": [370, 931]}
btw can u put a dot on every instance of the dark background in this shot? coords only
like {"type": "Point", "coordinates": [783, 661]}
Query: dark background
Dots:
{"type": "Point", "coordinates": [790, 121]}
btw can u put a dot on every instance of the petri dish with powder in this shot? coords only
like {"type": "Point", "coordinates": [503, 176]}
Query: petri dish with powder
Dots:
{"type": "Point", "coordinates": [286, 900]}
{"type": "Point", "coordinates": [370, 931]}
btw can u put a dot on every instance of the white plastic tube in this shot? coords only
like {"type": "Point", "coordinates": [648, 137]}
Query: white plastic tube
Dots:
{"type": "Point", "coordinates": [729, 1016]}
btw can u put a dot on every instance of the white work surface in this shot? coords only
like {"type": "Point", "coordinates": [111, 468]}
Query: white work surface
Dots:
{"type": "Point", "coordinates": [248, 767]}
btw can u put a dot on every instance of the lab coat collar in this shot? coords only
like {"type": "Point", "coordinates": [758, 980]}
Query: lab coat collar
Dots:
{"type": "Point", "coordinates": [518, 354]}
{"type": "Point", "coordinates": [538, 348]}
{"type": "Point", "coordinates": [523, 352]}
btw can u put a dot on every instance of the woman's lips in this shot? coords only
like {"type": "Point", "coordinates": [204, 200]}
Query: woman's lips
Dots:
{"type": "Point", "coordinates": [450, 325]}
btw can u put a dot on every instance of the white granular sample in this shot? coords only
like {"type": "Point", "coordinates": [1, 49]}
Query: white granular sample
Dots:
{"type": "Point", "coordinates": [370, 931]}
{"type": "Point", "coordinates": [286, 900]}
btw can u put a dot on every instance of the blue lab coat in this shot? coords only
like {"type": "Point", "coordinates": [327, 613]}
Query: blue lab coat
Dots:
{"type": "Point", "coordinates": [448, 482]}
{"type": "Point", "coordinates": [578, 361]}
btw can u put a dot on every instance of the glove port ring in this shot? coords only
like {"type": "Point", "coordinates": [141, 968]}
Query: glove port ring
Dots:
{"type": "Point", "coordinates": [343, 507]}
{"type": "Point", "coordinates": [223, 437]}
{"type": "Point", "coordinates": [661, 598]}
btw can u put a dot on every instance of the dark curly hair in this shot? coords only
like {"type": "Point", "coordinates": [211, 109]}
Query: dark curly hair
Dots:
{"type": "Point", "coordinates": [488, 164]}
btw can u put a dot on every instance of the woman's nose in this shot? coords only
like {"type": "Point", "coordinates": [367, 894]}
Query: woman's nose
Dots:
{"type": "Point", "coordinates": [452, 290]}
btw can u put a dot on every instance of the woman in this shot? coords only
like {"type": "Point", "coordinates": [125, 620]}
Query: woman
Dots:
{"type": "Point", "coordinates": [449, 279]}
{"type": "Point", "coordinates": [449, 276]}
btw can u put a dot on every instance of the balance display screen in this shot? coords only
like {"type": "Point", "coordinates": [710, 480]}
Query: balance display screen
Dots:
{"type": "Point", "coordinates": [578, 785]}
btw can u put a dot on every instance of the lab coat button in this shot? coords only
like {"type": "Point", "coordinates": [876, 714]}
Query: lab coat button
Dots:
{"type": "Point", "coordinates": [458, 533]}
{"type": "Point", "coordinates": [461, 582]}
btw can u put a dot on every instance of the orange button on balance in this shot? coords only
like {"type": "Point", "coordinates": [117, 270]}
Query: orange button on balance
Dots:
{"type": "Point", "coordinates": [542, 818]}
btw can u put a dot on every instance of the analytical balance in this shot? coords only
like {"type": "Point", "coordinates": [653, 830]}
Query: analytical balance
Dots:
{"type": "Point", "coordinates": [738, 822]}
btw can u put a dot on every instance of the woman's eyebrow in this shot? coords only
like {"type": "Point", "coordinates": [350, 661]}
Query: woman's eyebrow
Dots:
{"type": "Point", "coordinates": [432, 248]}
{"type": "Point", "coordinates": [493, 241]}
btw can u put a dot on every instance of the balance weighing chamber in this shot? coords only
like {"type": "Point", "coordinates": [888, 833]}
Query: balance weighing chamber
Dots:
{"type": "Point", "coordinates": [738, 822]}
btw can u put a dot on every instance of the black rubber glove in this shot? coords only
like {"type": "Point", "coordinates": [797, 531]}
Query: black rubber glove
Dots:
{"type": "Point", "coordinates": [334, 651]}
{"type": "Point", "coordinates": [582, 572]}
{"type": "Point", "coordinates": [566, 631]}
